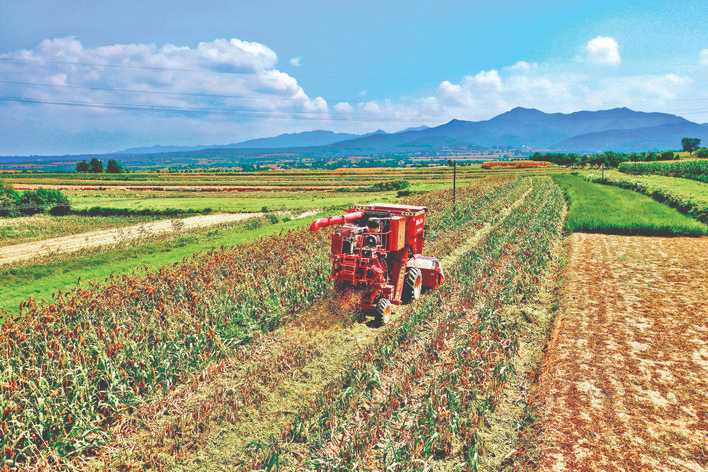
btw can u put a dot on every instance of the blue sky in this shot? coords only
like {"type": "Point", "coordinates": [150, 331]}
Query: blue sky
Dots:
{"type": "Point", "coordinates": [229, 71]}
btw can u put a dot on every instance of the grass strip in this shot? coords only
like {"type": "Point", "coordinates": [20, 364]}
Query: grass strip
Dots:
{"type": "Point", "coordinates": [596, 208]}
{"type": "Point", "coordinates": [687, 196]}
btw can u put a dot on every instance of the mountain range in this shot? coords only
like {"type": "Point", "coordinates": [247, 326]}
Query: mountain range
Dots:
{"type": "Point", "coordinates": [617, 129]}
{"type": "Point", "coordinates": [526, 129]}
{"type": "Point", "coordinates": [287, 140]}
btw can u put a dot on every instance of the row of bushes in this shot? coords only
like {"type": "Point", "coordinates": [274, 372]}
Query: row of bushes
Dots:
{"type": "Point", "coordinates": [380, 187]}
{"type": "Point", "coordinates": [166, 212]}
{"type": "Point", "coordinates": [30, 202]}
{"type": "Point", "coordinates": [608, 159]}
{"type": "Point", "coordinates": [694, 169]}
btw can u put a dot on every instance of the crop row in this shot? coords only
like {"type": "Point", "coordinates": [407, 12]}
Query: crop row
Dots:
{"type": "Point", "coordinates": [71, 368]}
{"type": "Point", "coordinates": [361, 411]}
{"type": "Point", "coordinates": [689, 169]}
{"type": "Point", "coordinates": [274, 358]}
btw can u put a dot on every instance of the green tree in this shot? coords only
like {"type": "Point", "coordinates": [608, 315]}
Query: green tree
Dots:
{"type": "Point", "coordinates": [8, 201]}
{"type": "Point", "coordinates": [690, 144]}
{"type": "Point", "coordinates": [114, 167]}
{"type": "Point", "coordinates": [82, 166]}
{"type": "Point", "coordinates": [96, 166]}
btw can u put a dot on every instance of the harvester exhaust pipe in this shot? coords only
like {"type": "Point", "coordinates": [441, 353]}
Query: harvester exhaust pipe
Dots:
{"type": "Point", "coordinates": [336, 220]}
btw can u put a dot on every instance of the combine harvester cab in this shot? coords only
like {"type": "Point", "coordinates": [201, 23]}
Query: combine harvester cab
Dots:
{"type": "Point", "coordinates": [378, 249]}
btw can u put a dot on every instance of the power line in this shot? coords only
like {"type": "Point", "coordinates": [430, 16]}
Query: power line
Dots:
{"type": "Point", "coordinates": [143, 91]}
{"type": "Point", "coordinates": [117, 66]}
{"type": "Point", "coordinates": [199, 110]}
{"type": "Point", "coordinates": [110, 89]}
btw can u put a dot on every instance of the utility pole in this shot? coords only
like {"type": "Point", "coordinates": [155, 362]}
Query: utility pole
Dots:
{"type": "Point", "coordinates": [453, 163]}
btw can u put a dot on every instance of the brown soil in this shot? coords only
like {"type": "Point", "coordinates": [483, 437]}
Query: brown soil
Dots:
{"type": "Point", "coordinates": [625, 380]}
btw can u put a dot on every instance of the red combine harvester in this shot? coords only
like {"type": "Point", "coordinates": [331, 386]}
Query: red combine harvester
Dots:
{"type": "Point", "coordinates": [379, 249]}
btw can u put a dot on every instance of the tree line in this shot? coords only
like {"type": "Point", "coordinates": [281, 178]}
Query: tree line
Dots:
{"type": "Point", "coordinates": [96, 166]}
{"type": "Point", "coordinates": [607, 159]}
{"type": "Point", "coordinates": [30, 202]}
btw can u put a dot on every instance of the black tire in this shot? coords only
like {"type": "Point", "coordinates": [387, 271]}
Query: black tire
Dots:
{"type": "Point", "coordinates": [384, 310]}
{"type": "Point", "coordinates": [412, 285]}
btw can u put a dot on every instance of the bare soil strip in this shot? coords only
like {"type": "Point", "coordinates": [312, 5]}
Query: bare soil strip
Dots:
{"type": "Point", "coordinates": [65, 244]}
{"type": "Point", "coordinates": [625, 381]}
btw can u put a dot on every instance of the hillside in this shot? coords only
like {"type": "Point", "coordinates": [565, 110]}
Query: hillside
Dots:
{"type": "Point", "coordinates": [618, 129]}
{"type": "Point", "coordinates": [526, 127]}
{"type": "Point", "coordinates": [665, 136]}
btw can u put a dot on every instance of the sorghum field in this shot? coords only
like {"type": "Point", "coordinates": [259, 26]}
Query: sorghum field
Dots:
{"type": "Point", "coordinates": [243, 357]}
{"type": "Point", "coordinates": [127, 373]}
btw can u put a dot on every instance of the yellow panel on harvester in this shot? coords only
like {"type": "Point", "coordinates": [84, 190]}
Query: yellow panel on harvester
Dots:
{"type": "Point", "coordinates": [397, 233]}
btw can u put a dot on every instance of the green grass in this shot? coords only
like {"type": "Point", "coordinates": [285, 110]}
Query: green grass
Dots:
{"type": "Point", "coordinates": [224, 202]}
{"type": "Point", "coordinates": [687, 196]}
{"type": "Point", "coordinates": [607, 209]}
{"type": "Point", "coordinates": [43, 279]}
{"type": "Point", "coordinates": [237, 201]}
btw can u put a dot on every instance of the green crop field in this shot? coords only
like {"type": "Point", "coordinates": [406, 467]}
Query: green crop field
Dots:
{"type": "Point", "coordinates": [696, 169]}
{"type": "Point", "coordinates": [235, 202]}
{"type": "Point", "coordinates": [687, 196]}
{"type": "Point", "coordinates": [608, 209]}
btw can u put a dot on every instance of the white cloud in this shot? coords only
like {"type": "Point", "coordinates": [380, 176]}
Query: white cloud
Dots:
{"type": "Point", "coordinates": [371, 107]}
{"type": "Point", "coordinates": [225, 74]}
{"type": "Point", "coordinates": [241, 75]}
{"type": "Point", "coordinates": [549, 88]}
{"type": "Point", "coordinates": [523, 66]}
{"type": "Point", "coordinates": [296, 61]}
{"type": "Point", "coordinates": [603, 50]}
{"type": "Point", "coordinates": [344, 107]}
{"type": "Point", "coordinates": [703, 57]}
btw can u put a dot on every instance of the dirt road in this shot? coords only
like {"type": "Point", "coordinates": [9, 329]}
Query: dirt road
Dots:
{"type": "Point", "coordinates": [27, 251]}
{"type": "Point", "coordinates": [625, 381]}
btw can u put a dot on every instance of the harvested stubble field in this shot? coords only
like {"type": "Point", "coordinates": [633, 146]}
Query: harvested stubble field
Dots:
{"type": "Point", "coordinates": [219, 363]}
{"type": "Point", "coordinates": [624, 385]}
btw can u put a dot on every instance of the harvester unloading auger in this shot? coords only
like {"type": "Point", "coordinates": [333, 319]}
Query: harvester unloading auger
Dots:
{"type": "Point", "coordinates": [378, 249]}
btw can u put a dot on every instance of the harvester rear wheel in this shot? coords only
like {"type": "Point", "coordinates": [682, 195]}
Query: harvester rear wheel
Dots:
{"type": "Point", "coordinates": [413, 285]}
{"type": "Point", "coordinates": [384, 310]}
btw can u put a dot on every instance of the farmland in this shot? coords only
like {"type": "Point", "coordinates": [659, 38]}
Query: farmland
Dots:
{"type": "Point", "coordinates": [40, 279]}
{"type": "Point", "coordinates": [607, 209]}
{"type": "Point", "coordinates": [687, 196]}
{"type": "Point", "coordinates": [689, 169]}
{"type": "Point", "coordinates": [205, 301]}
{"type": "Point", "coordinates": [38, 227]}
{"type": "Point", "coordinates": [624, 383]}
{"type": "Point", "coordinates": [226, 349]}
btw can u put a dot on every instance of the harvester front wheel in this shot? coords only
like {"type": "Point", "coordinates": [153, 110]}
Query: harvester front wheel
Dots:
{"type": "Point", "coordinates": [384, 310]}
{"type": "Point", "coordinates": [413, 285]}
